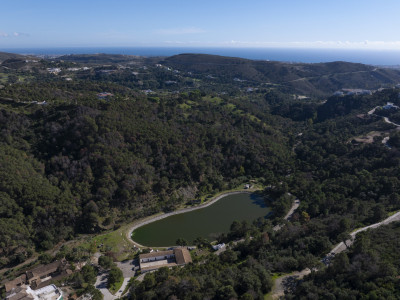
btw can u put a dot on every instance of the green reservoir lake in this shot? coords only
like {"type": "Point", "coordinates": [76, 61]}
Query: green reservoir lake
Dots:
{"type": "Point", "coordinates": [207, 222]}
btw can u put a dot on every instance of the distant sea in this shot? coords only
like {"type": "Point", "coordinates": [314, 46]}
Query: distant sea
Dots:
{"type": "Point", "coordinates": [372, 57]}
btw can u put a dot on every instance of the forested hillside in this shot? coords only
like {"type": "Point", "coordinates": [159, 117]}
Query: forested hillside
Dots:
{"type": "Point", "coordinates": [66, 167]}
{"type": "Point", "coordinates": [310, 79]}
{"type": "Point", "coordinates": [86, 146]}
{"type": "Point", "coordinates": [370, 270]}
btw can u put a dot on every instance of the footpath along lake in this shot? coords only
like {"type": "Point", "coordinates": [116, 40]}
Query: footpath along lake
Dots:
{"type": "Point", "coordinates": [207, 222]}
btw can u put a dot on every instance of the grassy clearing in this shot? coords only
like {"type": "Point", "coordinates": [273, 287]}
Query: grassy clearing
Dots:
{"type": "Point", "coordinates": [118, 243]}
{"type": "Point", "coordinates": [114, 241]}
{"type": "Point", "coordinates": [277, 275]}
{"type": "Point", "coordinates": [111, 240]}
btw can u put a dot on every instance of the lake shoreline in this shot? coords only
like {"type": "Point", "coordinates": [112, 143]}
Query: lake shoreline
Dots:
{"type": "Point", "coordinates": [158, 217]}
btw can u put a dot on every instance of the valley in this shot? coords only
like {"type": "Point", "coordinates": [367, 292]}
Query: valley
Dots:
{"type": "Point", "coordinates": [95, 148]}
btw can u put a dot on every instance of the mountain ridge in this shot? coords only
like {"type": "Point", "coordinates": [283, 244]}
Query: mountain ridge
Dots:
{"type": "Point", "coordinates": [316, 78]}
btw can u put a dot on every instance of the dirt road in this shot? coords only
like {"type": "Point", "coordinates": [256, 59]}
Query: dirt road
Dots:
{"type": "Point", "coordinates": [295, 205]}
{"type": "Point", "coordinates": [278, 290]}
{"type": "Point", "coordinates": [281, 283]}
{"type": "Point", "coordinates": [341, 246]}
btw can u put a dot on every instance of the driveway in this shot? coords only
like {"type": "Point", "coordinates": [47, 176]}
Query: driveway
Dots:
{"type": "Point", "coordinates": [122, 289]}
{"type": "Point", "coordinates": [128, 268]}
{"type": "Point", "coordinates": [101, 285]}
{"type": "Point", "coordinates": [342, 247]}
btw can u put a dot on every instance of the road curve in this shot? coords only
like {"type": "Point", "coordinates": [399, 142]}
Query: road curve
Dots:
{"type": "Point", "coordinates": [390, 122]}
{"type": "Point", "coordinates": [101, 285]}
{"type": "Point", "coordinates": [278, 288]}
{"type": "Point", "coordinates": [341, 246]}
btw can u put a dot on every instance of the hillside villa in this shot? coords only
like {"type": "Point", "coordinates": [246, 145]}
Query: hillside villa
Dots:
{"type": "Point", "coordinates": [36, 283]}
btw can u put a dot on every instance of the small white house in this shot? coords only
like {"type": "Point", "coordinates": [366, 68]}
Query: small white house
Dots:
{"type": "Point", "coordinates": [218, 247]}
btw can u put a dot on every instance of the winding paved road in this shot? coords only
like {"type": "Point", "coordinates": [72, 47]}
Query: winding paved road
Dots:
{"type": "Point", "coordinates": [386, 119]}
{"type": "Point", "coordinates": [101, 285]}
{"type": "Point", "coordinates": [288, 216]}
{"type": "Point", "coordinates": [390, 122]}
{"type": "Point", "coordinates": [128, 268]}
{"type": "Point", "coordinates": [342, 247]}
{"type": "Point", "coordinates": [278, 290]}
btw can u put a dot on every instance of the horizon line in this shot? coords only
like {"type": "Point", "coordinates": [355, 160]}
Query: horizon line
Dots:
{"type": "Point", "coordinates": [206, 47]}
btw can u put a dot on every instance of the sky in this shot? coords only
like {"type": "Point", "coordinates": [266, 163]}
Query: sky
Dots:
{"type": "Point", "coordinates": [350, 24]}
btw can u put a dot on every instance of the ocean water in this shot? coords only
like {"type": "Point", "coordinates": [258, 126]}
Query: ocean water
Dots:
{"type": "Point", "coordinates": [372, 57]}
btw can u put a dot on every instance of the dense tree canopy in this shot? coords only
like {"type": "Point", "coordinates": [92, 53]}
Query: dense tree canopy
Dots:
{"type": "Point", "coordinates": [80, 163]}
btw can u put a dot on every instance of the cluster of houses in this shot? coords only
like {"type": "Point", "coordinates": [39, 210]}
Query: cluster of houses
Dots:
{"type": "Point", "coordinates": [54, 71]}
{"type": "Point", "coordinates": [36, 283]}
{"type": "Point", "coordinates": [50, 292]}
{"type": "Point", "coordinates": [77, 69]}
{"type": "Point", "coordinates": [165, 67]}
{"type": "Point", "coordinates": [348, 92]}
{"type": "Point", "coordinates": [390, 105]}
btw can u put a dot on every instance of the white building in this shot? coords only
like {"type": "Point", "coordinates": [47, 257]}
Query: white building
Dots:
{"type": "Point", "coordinates": [50, 292]}
{"type": "Point", "coordinates": [218, 247]}
{"type": "Point", "coordinates": [54, 70]}
{"type": "Point", "coordinates": [169, 258]}
{"type": "Point", "coordinates": [156, 256]}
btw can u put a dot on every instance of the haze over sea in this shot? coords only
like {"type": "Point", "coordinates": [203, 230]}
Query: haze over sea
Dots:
{"type": "Point", "coordinates": [372, 57]}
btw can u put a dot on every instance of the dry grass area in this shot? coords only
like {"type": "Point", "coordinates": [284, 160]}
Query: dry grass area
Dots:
{"type": "Point", "coordinates": [369, 137]}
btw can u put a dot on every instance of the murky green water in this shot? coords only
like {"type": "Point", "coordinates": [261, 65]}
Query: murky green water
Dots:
{"type": "Point", "coordinates": [207, 222]}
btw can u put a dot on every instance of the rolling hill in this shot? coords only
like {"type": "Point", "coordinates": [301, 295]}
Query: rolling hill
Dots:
{"type": "Point", "coordinates": [311, 79]}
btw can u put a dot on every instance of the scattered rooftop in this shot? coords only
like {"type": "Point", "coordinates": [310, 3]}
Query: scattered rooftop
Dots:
{"type": "Point", "coordinates": [50, 292]}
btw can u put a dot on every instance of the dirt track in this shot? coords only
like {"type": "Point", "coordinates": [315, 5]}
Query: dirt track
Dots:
{"type": "Point", "coordinates": [278, 290]}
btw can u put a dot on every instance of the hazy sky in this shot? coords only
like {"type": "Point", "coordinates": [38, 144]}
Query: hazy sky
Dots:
{"type": "Point", "coordinates": [203, 23]}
